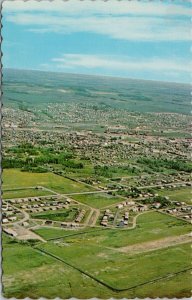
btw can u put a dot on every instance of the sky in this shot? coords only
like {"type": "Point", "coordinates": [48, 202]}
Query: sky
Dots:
{"type": "Point", "coordinates": [133, 39]}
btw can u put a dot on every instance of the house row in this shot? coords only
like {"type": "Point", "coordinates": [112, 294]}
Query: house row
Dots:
{"type": "Point", "coordinates": [80, 216]}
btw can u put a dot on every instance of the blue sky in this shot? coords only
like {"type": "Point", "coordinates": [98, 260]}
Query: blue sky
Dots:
{"type": "Point", "coordinates": [134, 39]}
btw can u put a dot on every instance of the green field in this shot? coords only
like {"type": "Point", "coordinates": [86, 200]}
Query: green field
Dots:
{"type": "Point", "coordinates": [13, 178]}
{"type": "Point", "coordinates": [97, 200]}
{"type": "Point", "coordinates": [118, 270]}
{"type": "Point", "coordinates": [150, 226]}
{"type": "Point", "coordinates": [44, 276]}
{"type": "Point", "coordinates": [54, 233]}
{"type": "Point", "coordinates": [66, 215]}
{"type": "Point", "coordinates": [22, 193]}
{"type": "Point", "coordinates": [180, 194]}
{"type": "Point", "coordinates": [99, 256]}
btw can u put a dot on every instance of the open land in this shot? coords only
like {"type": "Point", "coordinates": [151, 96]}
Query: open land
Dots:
{"type": "Point", "coordinates": [96, 187]}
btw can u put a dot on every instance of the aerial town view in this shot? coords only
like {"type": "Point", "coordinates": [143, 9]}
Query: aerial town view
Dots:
{"type": "Point", "coordinates": [96, 181]}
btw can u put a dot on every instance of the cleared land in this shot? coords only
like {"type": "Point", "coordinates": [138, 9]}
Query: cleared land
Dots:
{"type": "Point", "coordinates": [98, 200]}
{"type": "Point", "coordinates": [22, 193]}
{"type": "Point", "coordinates": [55, 233]}
{"type": "Point", "coordinates": [13, 178]}
{"type": "Point", "coordinates": [155, 245]}
{"type": "Point", "coordinates": [62, 215]}
{"type": "Point", "coordinates": [181, 194]}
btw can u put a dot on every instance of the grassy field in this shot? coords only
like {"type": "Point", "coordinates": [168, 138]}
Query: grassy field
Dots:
{"type": "Point", "coordinates": [150, 226]}
{"type": "Point", "coordinates": [47, 277]}
{"type": "Point", "coordinates": [13, 178]}
{"type": "Point", "coordinates": [181, 194]}
{"type": "Point", "coordinates": [22, 193]}
{"type": "Point", "coordinates": [97, 200]}
{"type": "Point", "coordinates": [54, 233]}
{"type": "Point", "coordinates": [120, 270]}
{"type": "Point", "coordinates": [66, 215]}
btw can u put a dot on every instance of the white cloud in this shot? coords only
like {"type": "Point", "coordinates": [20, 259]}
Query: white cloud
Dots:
{"type": "Point", "coordinates": [76, 61]}
{"type": "Point", "coordinates": [129, 20]}
{"type": "Point", "coordinates": [118, 27]}
{"type": "Point", "coordinates": [114, 7]}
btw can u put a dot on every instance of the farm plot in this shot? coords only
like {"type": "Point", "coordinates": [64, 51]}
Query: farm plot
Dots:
{"type": "Point", "coordinates": [13, 178]}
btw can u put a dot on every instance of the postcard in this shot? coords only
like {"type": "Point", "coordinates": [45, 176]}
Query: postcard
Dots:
{"type": "Point", "coordinates": [96, 157]}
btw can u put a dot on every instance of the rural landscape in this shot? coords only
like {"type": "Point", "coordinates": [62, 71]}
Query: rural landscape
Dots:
{"type": "Point", "coordinates": [96, 187]}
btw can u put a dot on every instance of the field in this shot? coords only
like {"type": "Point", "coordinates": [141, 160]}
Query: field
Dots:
{"type": "Point", "coordinates": [22, 193]}
{"type": "Point", "coordinates": [150, 226]}
{"type": "Point", "coordinates": [66, 215]}
{"type": "Point", "coordinates": [13, 178]}
{"type": "Point", "coordinates": [34, 277]}
{"type": "Point", "coordinates": [182, 195]}
{"type": "Point", "coordinates": [55, 233]}
{"type": "Point", "coordinates": [97, 200]}
{"type": "Point", "coordinates": [117, 270]}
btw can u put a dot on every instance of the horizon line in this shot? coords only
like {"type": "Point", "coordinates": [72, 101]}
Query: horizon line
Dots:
{"type": "Point", "coordinates": [94, 75]}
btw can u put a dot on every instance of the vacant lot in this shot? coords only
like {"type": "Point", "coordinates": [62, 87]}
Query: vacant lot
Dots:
{"type": "Point", "coordinates": [179, 194]}
{"type": "Point", "coordinates": [54, 233]}
{"type": "Point", "coordinates": [13, 178]}
{"type": "Point", "coordinates": [22, 193]}
{"type": "Point", "coordinates": [97, 200]}
{"type": "Point", "coordinates": [66, 215]}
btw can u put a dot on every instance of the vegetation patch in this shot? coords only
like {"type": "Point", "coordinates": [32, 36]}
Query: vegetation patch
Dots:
{"type": "Point", "coordinates": [97, 200]}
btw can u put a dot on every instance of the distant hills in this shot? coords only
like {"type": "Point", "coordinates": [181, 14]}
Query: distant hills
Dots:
{"type": "Point", "coordinates": [24, 87]}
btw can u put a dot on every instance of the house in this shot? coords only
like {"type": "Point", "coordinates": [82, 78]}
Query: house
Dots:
{"type": "Point", "coordinates": [4, 221]}
{"type": "Point", "coordinates": [10, 231]}
{"type": "Point", "coordinates": [25, 224]}
{"type": "Point", "coordinates": [104, 223]}
{"type": "Point", "coordinates": [12, 219]}
{"type": "Point", "coordinates": [126, 217]}
{"type": "Point", "coordinates": [130, 202]}
{"type": "Point", "coordinates": [119, 206]}
{"type": "Point", "coordinates": [186, 217]}
{"type": "Point", "coordinates": [48, 222]}
{"type": "Point", "coordinates": [157, 205]}
{"type": "Point", "coordinates": [135, 209]}
{"type": "Point", "coordinates": [107, 212]}
{"type": "Point", "coordinates": [111, 216]}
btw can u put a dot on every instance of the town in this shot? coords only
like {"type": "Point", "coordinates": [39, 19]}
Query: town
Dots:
{"type": "Point", "coordinates": [92, 186]}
